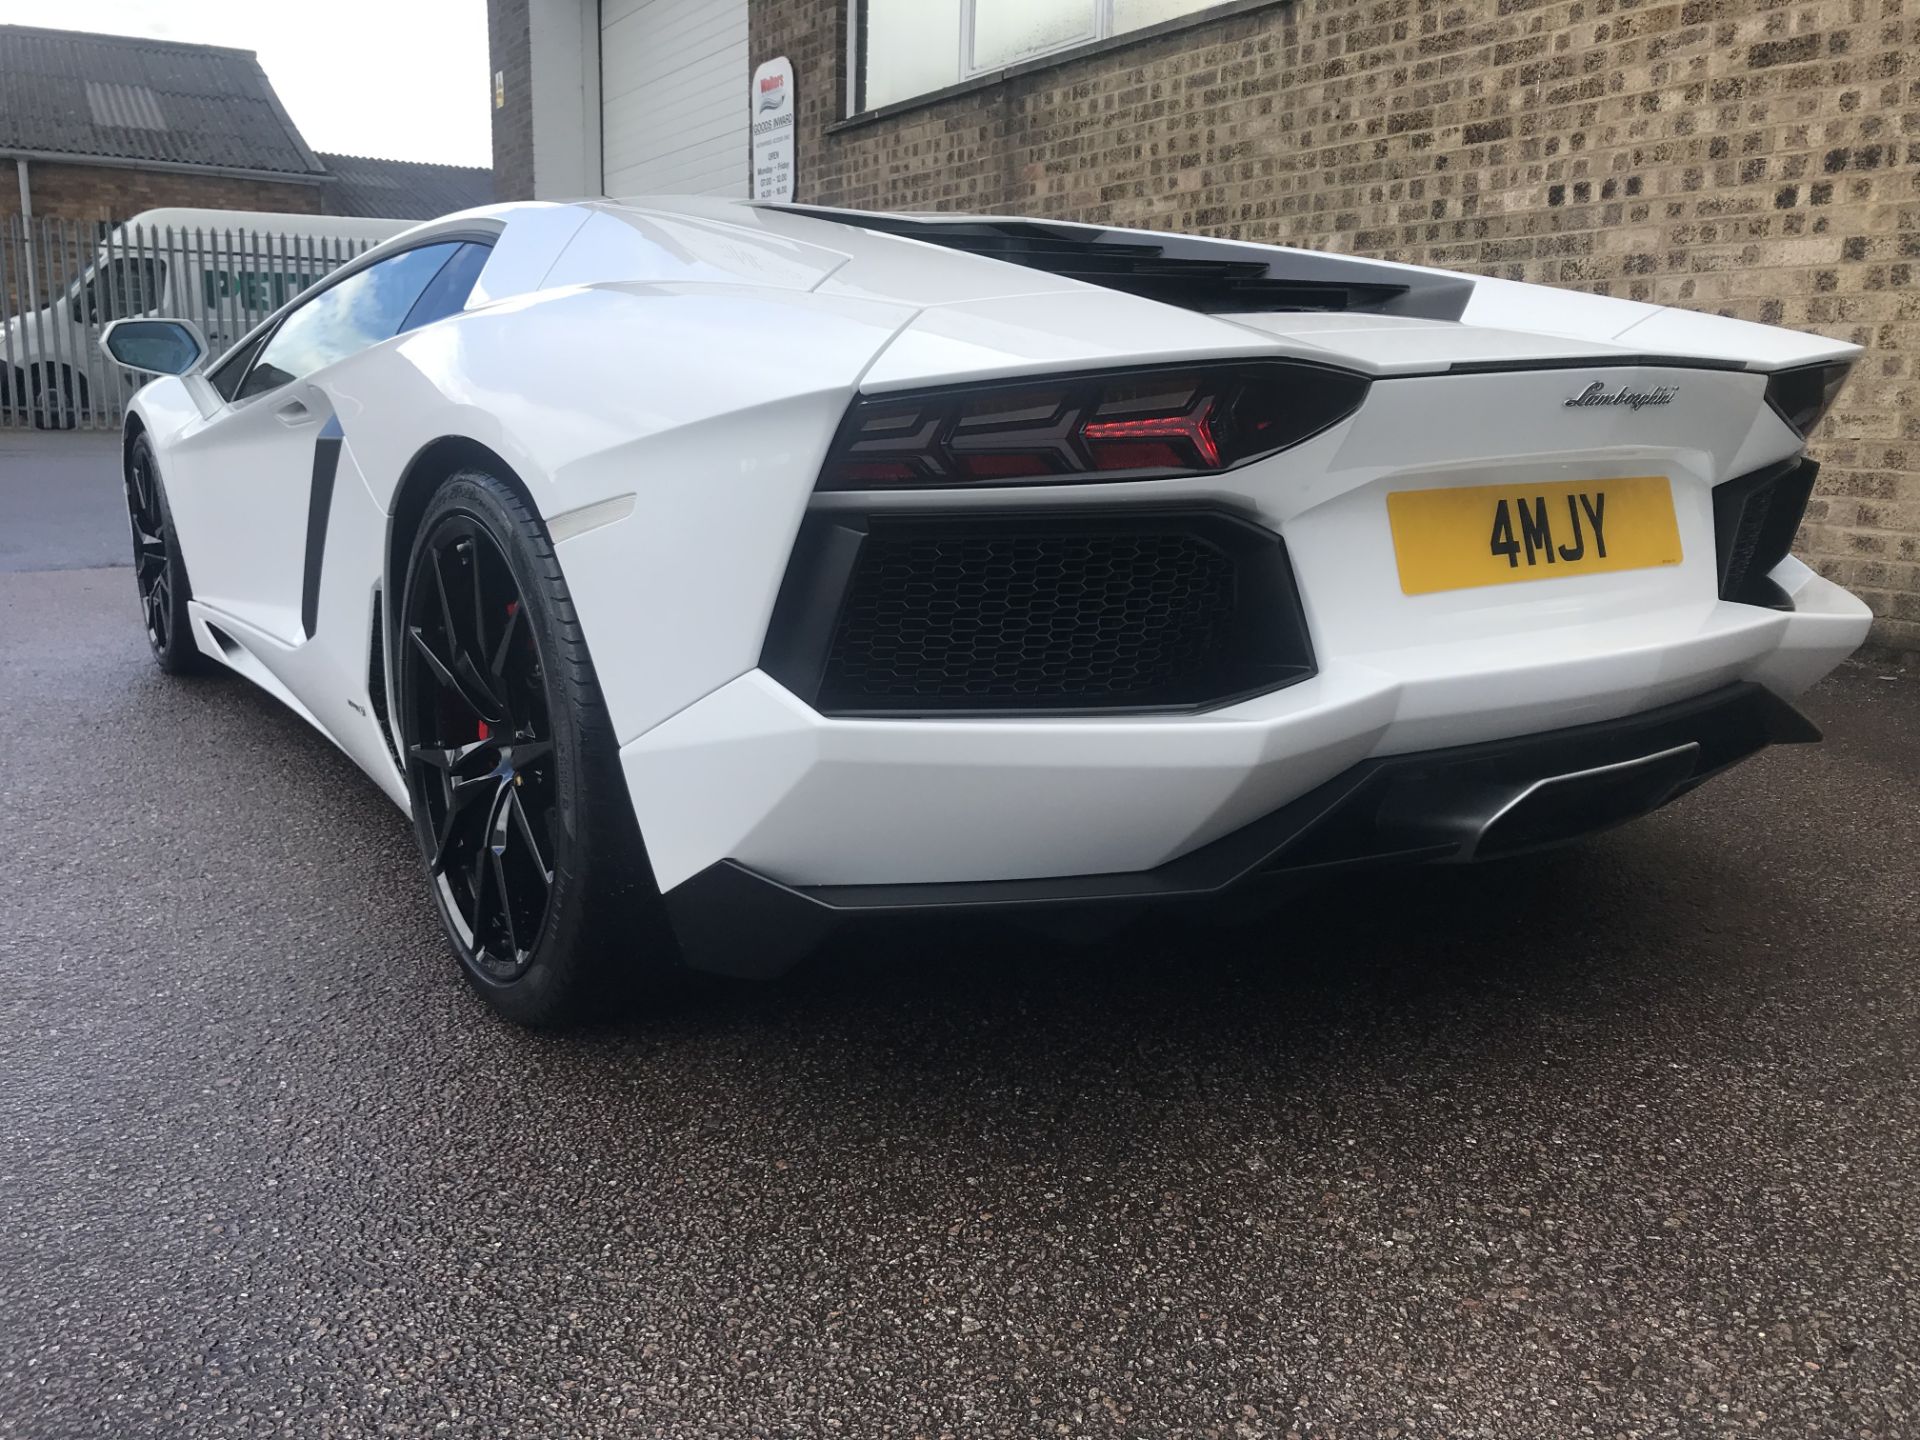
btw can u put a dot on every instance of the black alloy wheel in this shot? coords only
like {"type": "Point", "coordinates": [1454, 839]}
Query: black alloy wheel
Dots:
{"type": "Point", "coordinates": [518, 800]}
{"type": "Point", "coordinates": [159, 573]}
{"type": "Point", "coordinates": [481, 739]}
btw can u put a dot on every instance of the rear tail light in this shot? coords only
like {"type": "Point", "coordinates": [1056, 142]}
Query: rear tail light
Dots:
{"type": "Point", "coordinates": [1122, 425]}
{"type": "Point", "coordinates": [1802, 397]}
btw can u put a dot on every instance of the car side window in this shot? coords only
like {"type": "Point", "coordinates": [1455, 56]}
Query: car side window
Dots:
{"type": "Point", "coordinates": [446, 294]}
{"type": "Point", "coordinates": [345, 318]}
{"type": "Point", "coordinates": [225, 377]}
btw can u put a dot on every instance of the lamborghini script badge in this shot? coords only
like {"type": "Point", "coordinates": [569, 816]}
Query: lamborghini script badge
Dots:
{"type": "Point", "coordinates": [1598, 394]}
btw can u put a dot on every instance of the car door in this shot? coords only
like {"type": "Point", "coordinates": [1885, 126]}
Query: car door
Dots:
{"type": "Point", "coordinates": [247, 483]}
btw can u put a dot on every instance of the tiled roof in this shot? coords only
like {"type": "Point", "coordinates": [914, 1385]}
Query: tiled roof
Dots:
{"type": "Point", "coordinates": [403, 189]}
{"type": "Point", "coordinates": [118, 97]}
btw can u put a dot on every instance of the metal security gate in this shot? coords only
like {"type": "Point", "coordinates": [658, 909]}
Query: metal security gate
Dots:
{"type": "Point", "coordinates": [62, 282]}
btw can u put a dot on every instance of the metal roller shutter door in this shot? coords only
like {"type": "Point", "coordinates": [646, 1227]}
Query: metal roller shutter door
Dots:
{"type": "Point", "coordinates": [673, 97]}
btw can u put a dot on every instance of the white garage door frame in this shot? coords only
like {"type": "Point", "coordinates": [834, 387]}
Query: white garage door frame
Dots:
{"type": "Point", "coordinates": [673, 97]}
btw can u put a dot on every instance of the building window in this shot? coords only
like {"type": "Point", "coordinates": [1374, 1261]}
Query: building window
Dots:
{"type": "Point", "coordinates": [911, 47]}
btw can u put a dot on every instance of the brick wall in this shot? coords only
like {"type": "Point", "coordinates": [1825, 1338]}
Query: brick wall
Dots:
{"type": "Point", "coordinates": [100, 192]}
{"type": "Point", "coordinates": [509, 50]}
{"type": "Point", "coordinates": [1757, 158]}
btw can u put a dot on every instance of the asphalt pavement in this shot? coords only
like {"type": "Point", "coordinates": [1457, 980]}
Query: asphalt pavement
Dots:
{"type": "Point", "coordinates": [1616, 1141]}
{"type": "Point", "coordinates": [61, 505]}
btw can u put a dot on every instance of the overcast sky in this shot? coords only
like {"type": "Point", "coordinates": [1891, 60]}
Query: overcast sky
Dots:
{"type": "Point", "coordinates": [403, 79]}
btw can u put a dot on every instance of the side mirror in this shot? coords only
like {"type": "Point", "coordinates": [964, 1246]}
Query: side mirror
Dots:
{"type": "Point", "coordinates": [162, 347]}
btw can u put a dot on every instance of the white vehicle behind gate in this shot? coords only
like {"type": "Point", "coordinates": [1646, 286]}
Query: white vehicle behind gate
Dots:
{"type": "Point", "coordinates": [223, 269]}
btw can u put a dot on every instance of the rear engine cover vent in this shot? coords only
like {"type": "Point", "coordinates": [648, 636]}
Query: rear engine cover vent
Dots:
{"type": "Point", "coordinates": [1194, 273]}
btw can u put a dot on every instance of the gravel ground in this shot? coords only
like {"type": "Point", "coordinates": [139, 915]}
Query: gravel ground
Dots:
{"type": "Point", "coordinates": [1617, 1141]}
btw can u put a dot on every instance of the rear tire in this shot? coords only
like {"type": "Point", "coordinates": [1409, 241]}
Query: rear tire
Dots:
{"type": "Point", "coordinates": [159, 570]}
{"type": "Point", "coordinates": [56, 406]}
{"type": "Point", "coordinates": [520, 807]}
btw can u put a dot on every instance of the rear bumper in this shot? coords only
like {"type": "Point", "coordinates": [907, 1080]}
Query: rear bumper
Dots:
{"type": "Point", "coordinates": [1450, 805]}
{"type": "Point", "coordinates": [752, 774]}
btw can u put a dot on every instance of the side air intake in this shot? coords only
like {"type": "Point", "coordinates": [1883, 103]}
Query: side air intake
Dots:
{"type": "Point", "coordinates": [1213, 276]}
{"type": "Point", "coordinates": [377, 678]}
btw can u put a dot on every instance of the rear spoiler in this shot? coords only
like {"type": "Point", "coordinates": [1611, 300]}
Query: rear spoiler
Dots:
{"type": "Point", "coordinates": [1217, 277]}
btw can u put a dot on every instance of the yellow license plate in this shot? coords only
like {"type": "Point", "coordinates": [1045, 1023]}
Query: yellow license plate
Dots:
{"type": "Point", "coordinates": [1496, 534]}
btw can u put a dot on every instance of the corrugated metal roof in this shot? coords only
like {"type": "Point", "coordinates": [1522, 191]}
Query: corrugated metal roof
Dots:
{"type": "Point", "coordinates": [403, 189]}
{"type": "Point", "coordinates": [119, 97]}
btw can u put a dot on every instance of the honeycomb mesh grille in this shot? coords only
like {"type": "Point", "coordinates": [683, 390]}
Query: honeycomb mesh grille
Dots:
{"type": "Point", "coordinates": [942, 617]}
{"type": "Point", "coordinates": [1745, 542]}
{"type": "Point", "coordinates": [1755, 518]}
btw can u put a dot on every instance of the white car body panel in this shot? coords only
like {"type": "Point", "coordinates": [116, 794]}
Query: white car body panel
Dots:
{"type": "Point", "coordinates": [665, 379]}
{"type": "Point", "coordinates": [1047, 334]}
{"type": "Point", "coordinates": [621, 247]}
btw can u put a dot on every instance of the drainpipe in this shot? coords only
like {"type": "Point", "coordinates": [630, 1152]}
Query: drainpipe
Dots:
{"type": "Point", "coordinates": [26, 236]}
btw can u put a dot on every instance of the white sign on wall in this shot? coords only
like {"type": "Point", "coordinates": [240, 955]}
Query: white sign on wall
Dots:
{"type": "Point", "coordinates": [771, 112]}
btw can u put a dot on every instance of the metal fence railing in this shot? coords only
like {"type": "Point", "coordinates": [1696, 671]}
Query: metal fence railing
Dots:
{"type": "Point", "coordinates": [62, 282]}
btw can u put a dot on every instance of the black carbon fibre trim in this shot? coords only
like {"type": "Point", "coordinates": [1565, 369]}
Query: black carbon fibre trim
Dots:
{"type": "Point", "coordinates": [326, 463]}
{"type": "Point", "coordinates": [1588, 362]}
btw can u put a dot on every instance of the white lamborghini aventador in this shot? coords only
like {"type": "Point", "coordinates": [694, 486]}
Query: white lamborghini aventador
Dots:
{"type": "Point", "coordinates": [701, 575]}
